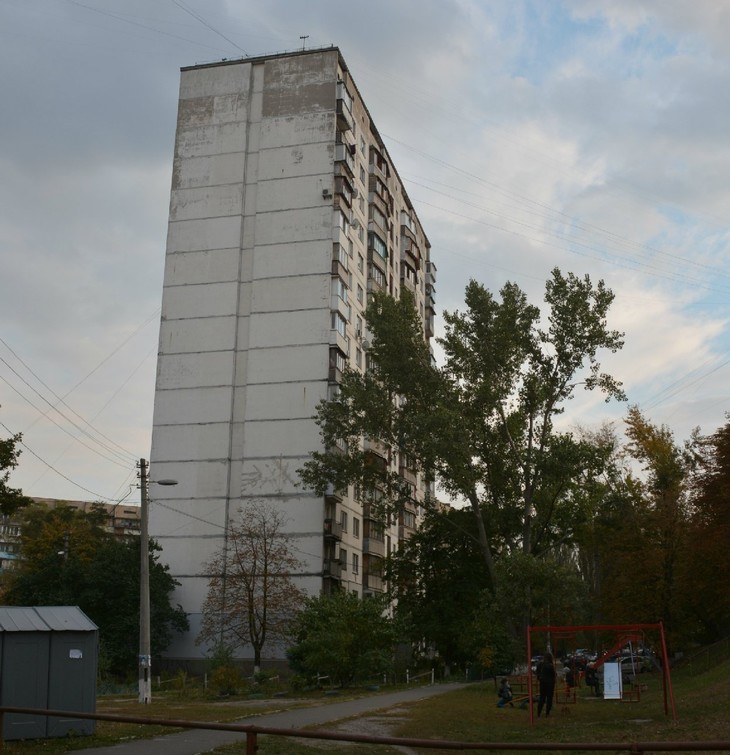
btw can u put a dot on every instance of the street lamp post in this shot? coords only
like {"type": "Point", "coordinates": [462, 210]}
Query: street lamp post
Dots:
{"type": "Point", "coordinates": [145, 643]}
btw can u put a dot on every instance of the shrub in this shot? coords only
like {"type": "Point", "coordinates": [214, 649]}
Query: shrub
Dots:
{"type": "Point", "coordinates": [225, 680]}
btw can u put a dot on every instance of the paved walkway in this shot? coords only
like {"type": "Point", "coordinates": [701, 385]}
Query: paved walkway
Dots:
{"type": "Point", "coordinates": [194, 741]}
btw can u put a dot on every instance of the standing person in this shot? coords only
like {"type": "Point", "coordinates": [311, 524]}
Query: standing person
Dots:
{"type": "Point", "coordinates": [546, 678]}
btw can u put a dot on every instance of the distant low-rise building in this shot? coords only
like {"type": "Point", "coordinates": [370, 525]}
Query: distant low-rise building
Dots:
{"type": "Point", "coordinates": [122, 522]}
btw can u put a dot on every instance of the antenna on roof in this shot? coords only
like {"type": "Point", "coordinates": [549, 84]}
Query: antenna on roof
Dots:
{"type": "Point", "coordinates": [304, 38]}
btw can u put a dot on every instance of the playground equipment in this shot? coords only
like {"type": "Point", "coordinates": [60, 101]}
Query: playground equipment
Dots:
{"type": "Point", "coordinates": [626, 634]}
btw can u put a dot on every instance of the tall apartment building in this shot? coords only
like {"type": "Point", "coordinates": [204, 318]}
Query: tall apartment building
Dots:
{"type": "Point", "coordinates": [286, 211]}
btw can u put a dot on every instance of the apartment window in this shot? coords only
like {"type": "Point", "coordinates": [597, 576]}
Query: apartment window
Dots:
{"type": "Point", "coordinates": [343, 520]}
{"type": "Point", "coordinates": [360, 263]}
{"type": "Point", "coordinates": [374, 531]}
{"type": "Point", "coordinates": [409, 519]}
{"type": "Point", "coordinates": [378, 216]}
{"type": "Point", "coordinates": [355, 526]}
{"type": "Point", "coordinates": [358, 326]}
{"type": "Point", "coordinates": [340, 255]}
{"type": "Point", "coordinates": [360, 294]}
{"type": "Point", "coordinates": [376, 274]}
{"type": "Point", "coordinates": [355, 563]}
{"type": "Point", "coordinates": [339, 324]}
{"type": "Point", "coordinates": [342, 221]}
{"type": "Point", "coordinates": [363, 180]}
{"type": "Point", "coordinates": [344, 95]}
{"type": "Point", "coordinates": [338, 360]}
{"type": "Point", "coordinates": [340, 288]}
{"type": "Point", "coordinates": [362, 145]}
{"type": "Point", "coordinates": [343, 558]}
{"type": "Point", "coordinates": [378, 245]}
{"type": "Point", "coordinates": [358, 359]}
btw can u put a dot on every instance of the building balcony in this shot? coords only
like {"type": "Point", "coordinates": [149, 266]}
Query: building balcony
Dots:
{"type": "Point", "coordinates": [375, 226]}
{"type": "Point", "coordinates": [378, 165]}
{"type": "Point", "coordinates": [428, 327]}
{"type": "Point", "coordinates": [332, 495]}
{"type": "Point", "coordinates": [344, 159]}
{"type": "Point", "coordinates": [410, 248]}
{"type": "Point", "coordinates": [376, 252]}
{"type": "Point", "coordinates": [339, 341]}
{"type": "Point", "coordinates": [407, 234]}
{"type": "Point", "coordinates": [379, 201]}
{"type": "Point", "coordinates": [408, 474]}
{"type": "Point", "coordinates": [404, 532]}
{"type": "Point", "coordinates": [345, 119]}
{"type": "Point", "coordinates": [409, 283]}
{"type": "Point", "coordinates": [372, 582]}
{"type": "Point", "coordinates": [373, 547]}
{"type": "Point", "coordinates": [332, 529]}
{"type": "Point", "coordinates": [332, 569]}
{"type": "Point", "coordinates": [339, 235]}
{"type": "Point", "coordinates": [338, 364]}
{"type": "Point", "coordinates": [431, 274]}
{"type": "Point", "coordinates": [343, 191]}
{"type": "Point", "coordinates": [376, 285]}
{"type": "Point", "coordinates": [377, 451]}
{"type": "Point", "coordinates": [370, 512]}
{"type": "Point", "coordinates": [340, 261]}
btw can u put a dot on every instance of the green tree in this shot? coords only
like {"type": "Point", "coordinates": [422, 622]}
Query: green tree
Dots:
{"type": "Point", "coordinates": [343, 638]}
{"type": "Point", "coordinates": [705, 574]}
{"type": "Point", "coordinates": [436, 579]}
{"type": "Point", "coordinates": [67, 558]}
{"type": "Point", "coordinates": [252, 598]}
{"type": "Point", "coordinates": [11, 499]}
{"type": "Point", "coordinates": [484, 423]}
{"type": "Point", "coordinates": [653, 530]}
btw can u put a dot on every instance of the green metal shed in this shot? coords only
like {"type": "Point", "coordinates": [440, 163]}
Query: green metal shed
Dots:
{"type": "Point", "coordinates": [48, 659]}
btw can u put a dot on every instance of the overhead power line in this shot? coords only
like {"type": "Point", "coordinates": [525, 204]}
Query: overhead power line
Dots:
{"type": "Point", "coordinates": [99, 496]}
{"type": "Point", "coordinates": [198, 17]}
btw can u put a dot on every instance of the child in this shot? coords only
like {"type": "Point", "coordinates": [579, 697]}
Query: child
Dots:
{"type": "Point", "coordinates": [504, 693]}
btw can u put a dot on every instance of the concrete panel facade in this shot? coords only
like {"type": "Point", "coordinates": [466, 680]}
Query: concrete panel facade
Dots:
{"type": "Point", "coordinates": [209, 266]}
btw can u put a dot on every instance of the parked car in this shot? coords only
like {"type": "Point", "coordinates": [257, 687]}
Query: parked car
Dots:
{"type": "Point", "coordinates": [631, 665]}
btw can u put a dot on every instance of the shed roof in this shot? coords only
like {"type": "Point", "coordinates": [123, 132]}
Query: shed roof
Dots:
{"type": "Point", "coordinates": [44, 619]}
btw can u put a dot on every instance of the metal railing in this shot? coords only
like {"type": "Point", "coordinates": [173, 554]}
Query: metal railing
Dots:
{"type": "Point", "coordinates": [252, 731]}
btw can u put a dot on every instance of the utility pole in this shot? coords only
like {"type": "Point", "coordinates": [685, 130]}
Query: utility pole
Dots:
{"type": "Point", "coordinates": [145, 651]}
{"type": "Point", "coordinates": [145, 642]}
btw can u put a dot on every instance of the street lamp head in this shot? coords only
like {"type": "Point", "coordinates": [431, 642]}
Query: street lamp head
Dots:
{"type": "Point", "coordinates": [166, 483]}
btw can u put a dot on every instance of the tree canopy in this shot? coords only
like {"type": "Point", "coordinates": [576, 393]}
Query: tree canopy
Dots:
{"type": "Point", "coordinates": [343, 639]}
{"type": "Point", "coordinates": [67, 558]}
{"type": "Point", "coordinates": [252, 597]}
{"type": "Point", "coordinates": [11, 499]}
{"type": "Point", "coordinates": [484, 423]}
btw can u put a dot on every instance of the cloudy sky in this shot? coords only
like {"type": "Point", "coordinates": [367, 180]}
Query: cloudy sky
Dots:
{"type": "Point", "coordinates": [590, 135]}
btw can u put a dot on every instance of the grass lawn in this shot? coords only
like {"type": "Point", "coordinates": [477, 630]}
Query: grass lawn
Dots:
{"type": "Point", "coordinates": [702, 703]}
{"type": "Point", "coordinates": [469, 714]}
